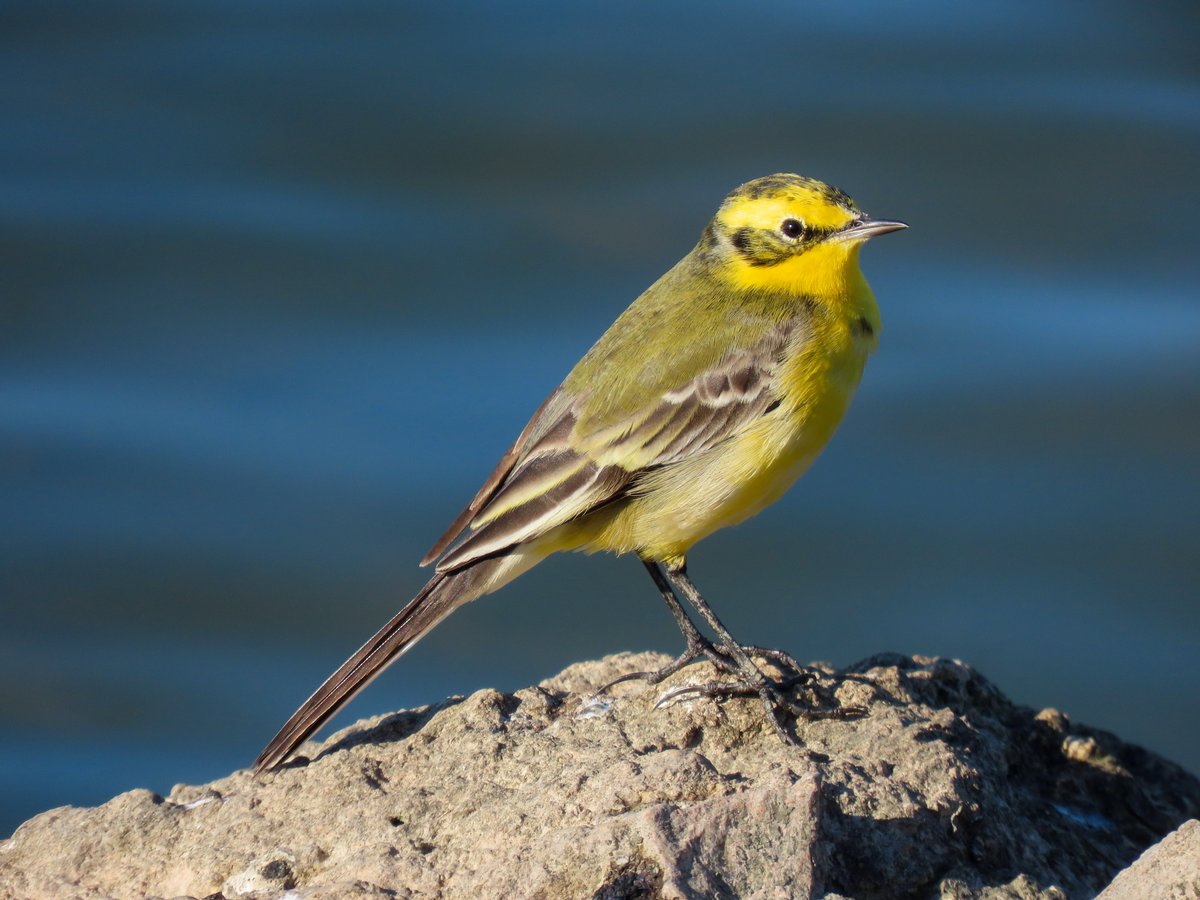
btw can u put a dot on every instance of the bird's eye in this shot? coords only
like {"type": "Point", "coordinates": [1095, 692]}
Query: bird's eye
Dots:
{"type": "Point", "coordinates": [792, 228]}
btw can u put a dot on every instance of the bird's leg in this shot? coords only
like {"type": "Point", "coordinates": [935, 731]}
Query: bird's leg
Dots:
{"type": "Point", "coordinates": [752, 680]}
{"type": "Point", "coordinates": [698, 646]}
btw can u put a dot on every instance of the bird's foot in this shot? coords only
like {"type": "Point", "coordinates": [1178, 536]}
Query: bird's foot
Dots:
{"type": "Point", "coordinates": [698, 649]}
{"type": "Point", "coordinates": [777, 696]}
{"type": "Point", "coordinates": [701, 649]}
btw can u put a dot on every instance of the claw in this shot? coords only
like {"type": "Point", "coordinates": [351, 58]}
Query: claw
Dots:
{"type": "Point", "coordinates": [696, 652]}
{"type": "Point", "coordinates": [772, 694]}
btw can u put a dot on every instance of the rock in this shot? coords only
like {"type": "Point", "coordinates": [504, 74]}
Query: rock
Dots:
{"type": "Point", "coordinates": [945, 789]}
{"type": "Point", "coordinates": [1170, 870]}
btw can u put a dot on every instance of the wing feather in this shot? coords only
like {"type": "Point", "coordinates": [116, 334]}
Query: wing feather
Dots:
{"type": "Point", "coordinates": [561, 469]}
{"type": "Point", "coordinates": [531, 480]}
{"type": "Point", "coordinates": [543, 420]}
{"type": "Point", "coordinates": [584, 490]}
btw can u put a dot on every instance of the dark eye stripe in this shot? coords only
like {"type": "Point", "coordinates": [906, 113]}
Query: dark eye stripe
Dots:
{"type": "Point", "coordinates": [765, 248]}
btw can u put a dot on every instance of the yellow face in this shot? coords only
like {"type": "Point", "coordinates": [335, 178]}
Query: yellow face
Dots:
{"type": "Point", "coordinates": [786, 232]}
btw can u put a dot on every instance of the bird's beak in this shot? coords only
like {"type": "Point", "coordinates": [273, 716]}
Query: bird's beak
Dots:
{"type": "Point", "coordinates": [867, 227]}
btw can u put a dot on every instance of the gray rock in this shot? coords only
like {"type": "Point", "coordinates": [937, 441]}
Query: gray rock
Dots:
{"type": "Point", "coordinates": [1170, 870]}
{"type": "Point", "coordinates": [946, 789]}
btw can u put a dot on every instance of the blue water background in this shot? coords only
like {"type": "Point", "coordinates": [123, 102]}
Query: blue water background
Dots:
{"type": "Point", "coordinates": [279, 283]}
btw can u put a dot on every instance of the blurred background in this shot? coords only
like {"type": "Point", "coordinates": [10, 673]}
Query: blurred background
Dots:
{"type": "Point", "coordinates": [280, 282]}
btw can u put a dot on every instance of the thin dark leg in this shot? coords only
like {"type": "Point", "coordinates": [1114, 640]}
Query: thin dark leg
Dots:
{"type": "Point", "coordinates": [697, 643]}
{"type": "Point", "coordinates": [753, 681]}
{"type": "Point", "coordinates": [690, 632]}
{"type": "Point", "coordinates": [698, 646]}
{"type": "Point", "coordinates": [692, 594]}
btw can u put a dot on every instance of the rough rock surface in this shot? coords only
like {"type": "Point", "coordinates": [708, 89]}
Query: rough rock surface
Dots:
{"type": "Point", "coordinates": [1170, 870]}
{"type": "Point", "coordinates": [946, 789]}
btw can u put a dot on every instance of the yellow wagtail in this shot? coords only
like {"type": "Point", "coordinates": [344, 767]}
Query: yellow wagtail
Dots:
{"type": "Point", "coordinates": [701, 405]}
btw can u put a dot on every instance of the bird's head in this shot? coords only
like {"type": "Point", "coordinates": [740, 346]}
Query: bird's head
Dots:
{"type": "Point", "coordinates": [790, 233]}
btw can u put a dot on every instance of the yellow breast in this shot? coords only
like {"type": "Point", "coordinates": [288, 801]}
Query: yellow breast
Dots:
{"type": "Point", "coordinates": [818, 382]}
{"type": "Point", "coordinates": [684, 503]}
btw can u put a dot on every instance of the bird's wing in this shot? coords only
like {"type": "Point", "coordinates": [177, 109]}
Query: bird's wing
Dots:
{"type": "Point", "coordinates": [546, 415]}
{"type": "Point", "coordinates": [566, 464]}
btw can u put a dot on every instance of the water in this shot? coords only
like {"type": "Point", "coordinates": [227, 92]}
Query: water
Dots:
{"type": "Point", "coordinates": [280, 282]}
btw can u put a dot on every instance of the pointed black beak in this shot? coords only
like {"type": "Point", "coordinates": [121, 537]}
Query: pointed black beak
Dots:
{"type": "Point", "coordinates": [866, 227]}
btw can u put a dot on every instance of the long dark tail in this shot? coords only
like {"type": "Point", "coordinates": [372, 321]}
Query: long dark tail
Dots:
{"type": "Point", "coordinates": [444, 593]}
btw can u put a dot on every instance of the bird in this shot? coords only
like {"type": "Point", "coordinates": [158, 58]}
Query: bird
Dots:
{"type": "Point", "coordinates": [701, 405]}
